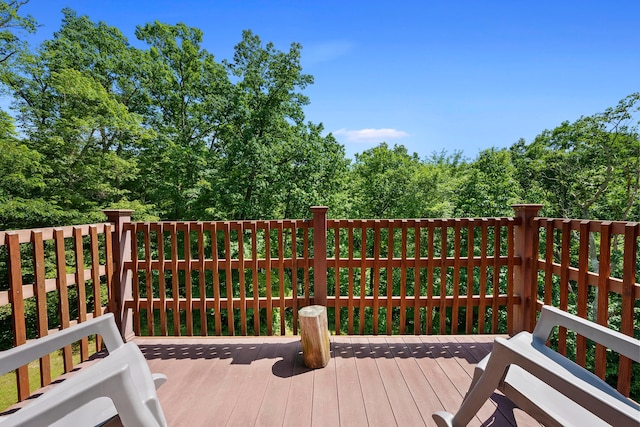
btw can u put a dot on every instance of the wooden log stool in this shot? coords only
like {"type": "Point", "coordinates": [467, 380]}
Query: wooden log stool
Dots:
{"type": "Point", "coordinates": [314, 334]}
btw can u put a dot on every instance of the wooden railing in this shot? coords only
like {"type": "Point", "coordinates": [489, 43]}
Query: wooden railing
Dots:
{"type": "Point", "coordinates": [407, 276]}
{"type": "Point", "coordinates": [422, 275]}
{"type": "Point", "coordinates": [214, 278]}
{"type": "Point", "coordinates": [69, 268]}
{"type": "Point", "coordinates": [591, 269]}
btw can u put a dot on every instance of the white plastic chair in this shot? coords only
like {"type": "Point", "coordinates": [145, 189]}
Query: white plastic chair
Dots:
{"type": "Point", "coordinates": [120, 383]}
{"type": "Point", "coordinates": [547, 385]}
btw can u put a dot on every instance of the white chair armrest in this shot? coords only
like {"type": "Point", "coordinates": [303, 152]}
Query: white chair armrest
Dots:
{"type": "Point", "coordinates": [551, 317]}
{"type": "Point", "coordinates": [19, 356]}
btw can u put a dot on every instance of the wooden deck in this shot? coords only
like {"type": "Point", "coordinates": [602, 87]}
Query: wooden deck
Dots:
{"type": "Point", "coordinates": [370, 381]}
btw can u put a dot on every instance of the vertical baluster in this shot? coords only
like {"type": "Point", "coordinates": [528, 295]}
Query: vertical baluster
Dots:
{"type": "Point", "coordinates": [241, 280]}
{"type": "Point", "coordinates": [389, 310]}
{"type": "Point", "coordinates": [281, 288]}
{"type": "Point", "coordinates": [135, 281]}
{"type": "Point", "coordinates": [95, 278]}
{"type": "Point", "coordinates": [253, 228]}
{"type": "Point", "coordinates": [403, 277]}
{"type": "Point", "coordinates": [41, 301]}
{"type": "Point", "coordinates": [510, 273]}
{"type": "Point", "coordinates": [483, 276]}
{"type": "Point", "coordinates": [306, 263]}
{"type": "Point", "coordinates": [363, 276]}
{"type": "Point", "coordinates": [267, 249]}
{"type": "Point", "coordinates": [63, 294]}
{"type": "Point", "coordinates": [496, 277]}
{"type": "Point", "coordinates": [188, 285]}
{"type": "Point", "coordinates": [583, 289]}
{"type": "Point", "coordinates": [470, 276]}
{"type": "Point", "coordinates": [162, 286]}
{"type": "Point", "coordinates": [202, 285]}
{"type": "Point", "coordinates": [444, 230]}
{"type": "Point", "coordinates": [417, 286]}
{"type": "Point", "coordinates": [603, 294]}
{"type": "Point", "coordinates": [376, 275]}
{"type": "Point", "coordinates": [564, 282]}
{"type": "Point", "coordinates": [628, 280]}
{"type": "Point", "coordinates": [351, 302]}
{"type": "Point", "coordinates": [80, 288]}
{"type": "Point", "coordinates": [17, 307]}
{"type": "Point", "coordinates": [457, 237]}
{"type": "Point", "coordinates": [294, 274]}
{"type": "Point", "coordinates": [430, 274]}
{"type": "Point", "coordinates": [337, 277]}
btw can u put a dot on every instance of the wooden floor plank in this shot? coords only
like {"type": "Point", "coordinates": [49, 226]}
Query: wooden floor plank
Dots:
{"type": "Point", "coordinates": [404, 407]}
{"type": "Point", "coordinates": [351, 405]}
{"type": "Point", "coordinates": [325, 410]}
{"type": "Point", "coordinates": [423, 394]}
{"type": "Point", "coordinates": [300, 396]}
{"type": "Point", "coordinates": [438, 379]}
{"type": "Point", "coordinates": [477, 347]}
{"type": "Point", "coordinates": [249, 399]}
{"type": "Point", "coordinates": [273, 405]}
{"type": "Point", "coordinates": [376, 401]}
{"type": "Point", "coordinates": [189, 368]}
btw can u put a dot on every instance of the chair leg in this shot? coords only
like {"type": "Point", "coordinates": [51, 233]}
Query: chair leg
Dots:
{"type": "Point", "coordinates": [480, 391]}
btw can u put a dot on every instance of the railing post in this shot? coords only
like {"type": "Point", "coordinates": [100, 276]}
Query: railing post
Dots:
{"type": "Point", "coordinates": [122, 287]}
{"type": "Point", "coordinates": [523, 273]}
{"type": "Point", "coordinates": [319, 254]}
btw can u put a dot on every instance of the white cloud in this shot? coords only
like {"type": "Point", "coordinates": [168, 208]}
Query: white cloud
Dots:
{"type": "Point", "coordinates": [327, 51]}
{"type": "Point", "coordinates": [371, 135]}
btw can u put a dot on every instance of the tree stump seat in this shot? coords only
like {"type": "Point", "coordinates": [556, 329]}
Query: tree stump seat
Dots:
{"type": "Point", "coordinates": [314, 334]}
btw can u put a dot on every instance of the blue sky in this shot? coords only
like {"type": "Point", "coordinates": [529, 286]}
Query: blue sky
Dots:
{"type": "Point", "coordinates": [461, 75]}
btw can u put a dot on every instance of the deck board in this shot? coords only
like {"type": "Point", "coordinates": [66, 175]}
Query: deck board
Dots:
{"type": "Point", "coordinates": [374, 394]}
{"type": "Point", "coordinates": [300, 396]}
{"type": "Point", "coordinates": [418, 385]}
{"type": "Point", "coordinates": [261, 381]}
{"type": "Point", "coordinates": [351, 409]}
{"type": "Point", "coordinates": [403, 405]}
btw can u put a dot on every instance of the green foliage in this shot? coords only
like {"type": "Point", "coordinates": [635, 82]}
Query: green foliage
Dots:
{"type": "Point", "coordinates": [586, 169]}
{"type": "Point", "coordinates": [488, 187]}
{"type": "Point", "coordinates": [10, 24]}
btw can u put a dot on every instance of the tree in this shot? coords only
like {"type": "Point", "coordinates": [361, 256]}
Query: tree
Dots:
{"type": "Point", "coordinates": [587, 168]}
{"type": "Point", "coordinates": [71, 95]}
{"type": "Point", "coordinates": [438, 182]}
{"type": "Point", "coordinates": [188, 102]}
{"type": "Point", "coordinates": [489, 186]}
{"type": "Point", "coordinates": [271, 161]}
{"type": "Point", "coordinates": [21, 183]}
{"type": "Point", "coordinates": [385, 183]}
